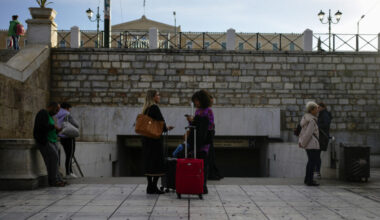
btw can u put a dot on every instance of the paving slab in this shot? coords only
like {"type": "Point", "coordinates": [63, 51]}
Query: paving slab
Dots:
{"type": "Point", "coordinates": [237, 199]}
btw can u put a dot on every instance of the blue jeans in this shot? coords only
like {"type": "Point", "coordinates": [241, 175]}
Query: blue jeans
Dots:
{"type": "Point", "coordinates": [15, 42]}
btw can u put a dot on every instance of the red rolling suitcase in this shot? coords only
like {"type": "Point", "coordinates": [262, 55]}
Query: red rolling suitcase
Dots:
{"type": "Point", "coordinates": [190, 173]}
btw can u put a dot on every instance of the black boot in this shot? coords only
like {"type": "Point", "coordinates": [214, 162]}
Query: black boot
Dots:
{"type": "Point", "coordinates": [149, 188]}
{"type": "Point", "coordinates": [154, 186]}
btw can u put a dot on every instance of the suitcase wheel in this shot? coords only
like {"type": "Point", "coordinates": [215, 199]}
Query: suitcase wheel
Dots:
{"type": "Point", "coordinates": [200, 196]}
{"type": "Point", "coordinates": [178, 196]}
{"type": "Point", "coordinates": [162, 188]}
{"type": "Point", "coordinates": [167, 190]}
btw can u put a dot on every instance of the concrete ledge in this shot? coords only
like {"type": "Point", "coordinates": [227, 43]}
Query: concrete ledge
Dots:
{"type": "Point", "coordinates": [95, 158]}
{"type": "Point", "coordinates": [24, 63]}
{"type": "Point", "coordinates": [21, 165]}
{"type": "Point", "coordinates": [113, 121]}
{"type": "Point", "coordinates": [287, 160]}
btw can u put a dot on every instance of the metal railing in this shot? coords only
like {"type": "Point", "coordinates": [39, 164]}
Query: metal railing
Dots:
{"type": "Point", "coordinates": [91, 39]}
{"type": "Point", "coordinates": [218, 41]}
{"type": "Point", "coordinates": [63, 38]}
{"type": "Point", "coordinates": [270, 41]}
{"type": "Point", "coordinates": [134, 39]}
{"type": "Point", "coordinates": [346, 42]}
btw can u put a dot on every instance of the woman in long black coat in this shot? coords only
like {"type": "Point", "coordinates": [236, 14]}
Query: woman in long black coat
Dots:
{"type": "Point", "coordinates": [153, 151]}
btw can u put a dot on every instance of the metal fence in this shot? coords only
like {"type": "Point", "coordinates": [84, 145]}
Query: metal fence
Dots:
{"type": "Point", "coordinates": [270, 41]}
{"type": "Point", "coordinates": [346, 42]}
{"type": "Point", "coordinates": [218, 41]}
{"type": "Point", "coordinates": [63, 38]}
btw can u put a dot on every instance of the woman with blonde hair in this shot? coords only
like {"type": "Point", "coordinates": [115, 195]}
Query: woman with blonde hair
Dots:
{"type": "Point", "coordinates": [308, 140]}
{"type": "Point", "coordinates": [153, 148]}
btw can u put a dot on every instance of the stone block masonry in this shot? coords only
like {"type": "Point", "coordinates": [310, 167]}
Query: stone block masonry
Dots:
{"type": "Point", "coordinates": [347, 82]}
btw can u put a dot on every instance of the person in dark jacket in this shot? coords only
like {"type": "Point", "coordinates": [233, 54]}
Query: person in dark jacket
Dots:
{"type": "Point", "coordinates": [204, 122]}
{"type": "Point", "coordinates": [13, 33]}
{"type": "Point", "coordinates": [153, 151]}
{"type": "Point", "coordinates": [45, 134]}
{"type": "Point", "coordinates": [213, 171]}
{"type": "Point", "coordinates": [68, 143]}
{"type": "Point", "coordinates": [324, 121]}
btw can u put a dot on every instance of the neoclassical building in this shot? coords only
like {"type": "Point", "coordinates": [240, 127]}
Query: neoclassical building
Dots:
{"type": "Point", "coordinates": [134, 34]}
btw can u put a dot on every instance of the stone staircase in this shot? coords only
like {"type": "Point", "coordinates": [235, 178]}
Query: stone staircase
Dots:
{"type": "Point", "coordinates": [6, 54]}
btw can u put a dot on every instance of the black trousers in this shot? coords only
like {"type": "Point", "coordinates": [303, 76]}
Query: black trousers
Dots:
{"type": "Point", "coordinates": [69, 148]}
{"type": "Point", "coordinates": [204, 155]}
{"type": "Point", "coordinates": [312, 156]}
{"type": "Point", "coordinates": [213, 171]}
{"type": "Point", "coordinates": [319, 162]}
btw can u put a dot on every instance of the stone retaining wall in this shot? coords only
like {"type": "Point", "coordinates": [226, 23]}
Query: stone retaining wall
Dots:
{"type": "Point", "coordinates": [347, 82]}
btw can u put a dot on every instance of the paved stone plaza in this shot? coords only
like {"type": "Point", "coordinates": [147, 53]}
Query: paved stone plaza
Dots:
{"type": "Point", "coordinates": [254, 198]}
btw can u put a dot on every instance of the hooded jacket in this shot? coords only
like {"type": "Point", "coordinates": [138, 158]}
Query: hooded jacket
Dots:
{"type": "Point", "coordinates": [309, 135]}
{"type": "Point", "coordinates": [12, 28]}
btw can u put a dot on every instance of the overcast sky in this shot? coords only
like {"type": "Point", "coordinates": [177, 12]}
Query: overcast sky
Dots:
{"type": "Point", "coordinates": [281, 16]}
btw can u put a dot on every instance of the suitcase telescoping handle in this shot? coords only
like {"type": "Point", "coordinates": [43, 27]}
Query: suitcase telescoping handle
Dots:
{"type": "Point", "coordinates": [195, 140]}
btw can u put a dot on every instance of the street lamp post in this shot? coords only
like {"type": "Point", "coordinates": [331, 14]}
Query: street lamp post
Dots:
{"type": "Point", "coordinates": [175, 28]}
{"type": "Point", "coordinates": [358, 23]}
{"type": "Point", "coordinates": [329, 21]}
{"type": "Point", "coordinates": [90, 13]}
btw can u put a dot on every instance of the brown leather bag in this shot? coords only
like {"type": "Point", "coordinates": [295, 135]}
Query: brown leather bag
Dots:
{"type": "Point", "coordinates": [149, 127]}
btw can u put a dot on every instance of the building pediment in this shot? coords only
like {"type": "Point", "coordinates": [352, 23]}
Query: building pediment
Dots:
{"type": "Point", "coordinates": [143, 24]}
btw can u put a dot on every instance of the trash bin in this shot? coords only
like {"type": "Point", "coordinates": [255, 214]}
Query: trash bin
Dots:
{"type": "Point", "coordinates": [354, 164]}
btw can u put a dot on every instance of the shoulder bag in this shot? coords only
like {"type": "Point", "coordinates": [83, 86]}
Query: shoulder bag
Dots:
{"type": "Point", "coordinates": [149, 127]}
{"type": "Point", "coordinates": [69, 130]}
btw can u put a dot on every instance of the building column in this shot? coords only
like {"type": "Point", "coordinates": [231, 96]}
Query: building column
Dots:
{"type": "Point", "coordinates": [153, 38]}
{"type": "Point", "coordinates": [75, 37]}
{"type": "Point", "coordinates": [41, 28]}
{"type": "Point", "coordinates": [308, 40]}
{"type": "Point", "coordinates": [231, 39]}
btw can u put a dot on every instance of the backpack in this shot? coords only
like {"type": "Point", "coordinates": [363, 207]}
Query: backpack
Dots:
{"type": "Point", "coordinates": [297, 130]}
{"type": "Point", "coordinates": [20, 31]}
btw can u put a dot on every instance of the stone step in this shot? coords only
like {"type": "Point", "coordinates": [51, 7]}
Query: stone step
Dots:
{"type": "Point", "coordinates": [6, 54]}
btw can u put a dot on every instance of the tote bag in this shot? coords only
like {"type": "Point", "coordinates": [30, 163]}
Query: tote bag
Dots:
{"type": "Point", "coordinates": [69, 130]}
{"type": "Point", "coordinates": [148, 127]}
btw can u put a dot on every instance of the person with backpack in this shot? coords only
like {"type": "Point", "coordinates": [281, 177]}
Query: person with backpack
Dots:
{"type": "Point", "coordinates": [309, 140]}
{"type": "Point", "coordinates": [324, 121]}
{"type": "Point", "coordinates": [14, 31]}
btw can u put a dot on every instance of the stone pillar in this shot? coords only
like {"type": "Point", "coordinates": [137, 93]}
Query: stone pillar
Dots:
{"type": "Point", "coordinates": [41, 28]}
{"type": "Point", "coordinates": [230, 39]}
{"type": "Point", "coordinates": [21, 165]}
{"type": "Point", "coordinates": [308, 40]}
{"type": "Point", "coordinates": [75, 37]}
{"type": "Point", "coordinates": [153, 38]}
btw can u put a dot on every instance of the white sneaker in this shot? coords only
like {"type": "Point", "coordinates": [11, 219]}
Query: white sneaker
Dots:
{"type": "Point", "coordinates": [71, 176]}
{"type": "Point", "coordinates": [317, 176]}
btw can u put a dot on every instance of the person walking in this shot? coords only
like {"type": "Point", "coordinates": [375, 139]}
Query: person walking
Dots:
{"type": "Point", "coordinates": [324, 121]}
{"type": "Point", "coordinates": [68, 143]}
{"type": "Point", "coordinates": [12, 32]}
{"type": "Point", "coordinates": [45, 134]}
{"type": "Point", "coordinates": [308, 140]}
{"type": "Point", "coordinates": [153, 151]}
{"type": "Point", "coordinates": [204, 122]}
